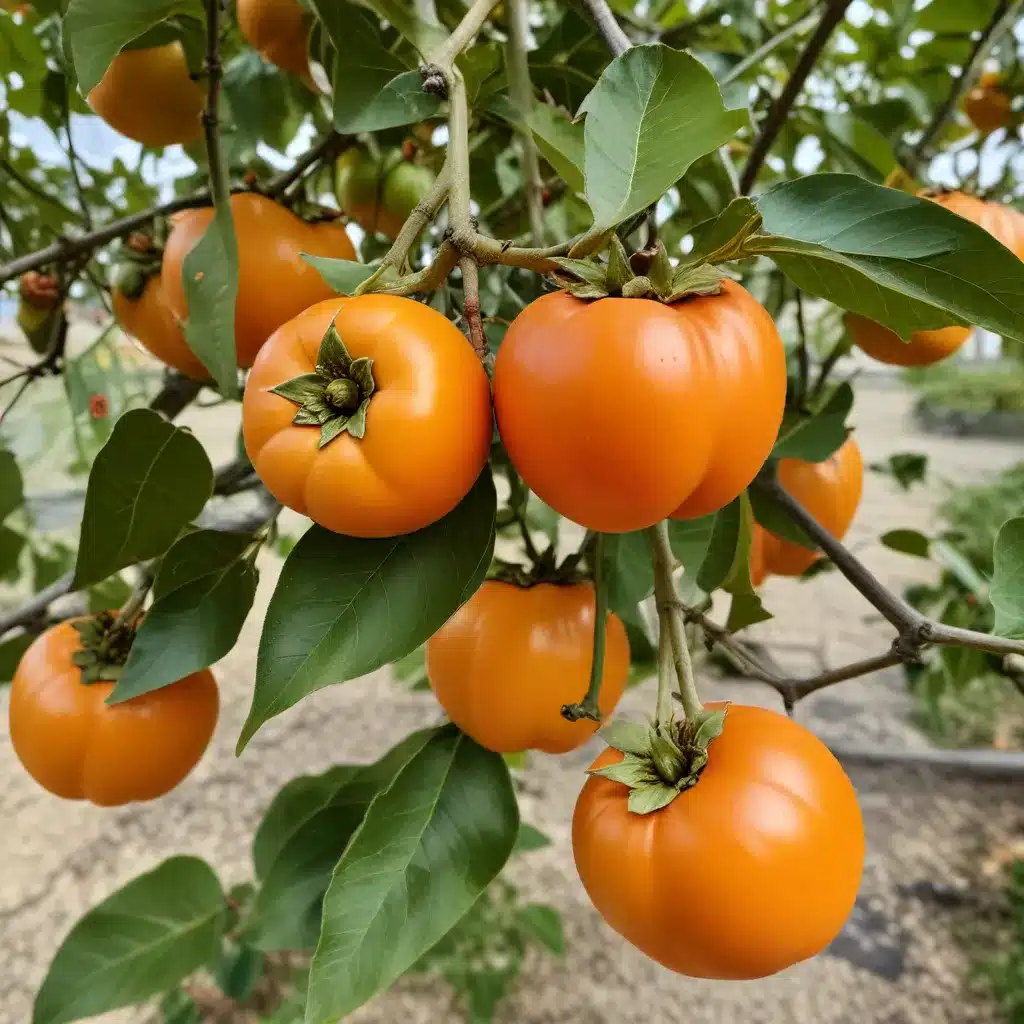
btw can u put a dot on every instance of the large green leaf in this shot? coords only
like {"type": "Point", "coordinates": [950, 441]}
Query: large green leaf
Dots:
{"type": "Point", "coordinates": [903, 261]}
{"type": "Point", "coordinates": [373, 88]}
{"type": "Point", "coordinates": [628, 574]}
{"type": "Point", "coordinates": [653, 112]}
{"type": "Point", "coordinates": [815, 438]}
{"type": "Point", "coordinates": [722, 547]}
{"type": "Point", "coordinates": [12, 492]}
{"type": "Point", "coordinates": [136, 944]}
{"type": "Point", "coordinates": [560, 142]}
{"type": "Point", "coordinates": [210, 276]}
{"type": "Point", "coordinates": [195, 624]}
{"type": "Point", "coordinates": [97, 30]}
{"type": "Point", "coordinates": [344, 606]}
{"type": "Point", "coordinates": [428, 846]}
{"type": "Point", "coordinates": [864, 147]}
{"type": "Point", "coordinates": [1007, 591]}
{"type": "Point", "coordinates": [301, 838]}
{"type": "Point", "coordinates": [148, 481]}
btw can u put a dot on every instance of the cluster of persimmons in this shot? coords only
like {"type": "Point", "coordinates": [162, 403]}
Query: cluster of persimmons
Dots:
{"type": "Point", "coordinates": [373, 416]}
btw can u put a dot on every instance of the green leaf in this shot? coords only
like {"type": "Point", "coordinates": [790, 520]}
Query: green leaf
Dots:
{"type": "Point", "coordinates": [908, 542]}
{"type": "Point", "coordinates": [866, 150]}
{"type": "Point", "coordinates": [210, 276]}
{"type": "Point", "coordinates": [12, 543]}
{"type": "Point", "coordinates": [628, 575]}
{"type": "Point", "coordinates": [12, 491]}
{"type": "Point", "coordinates": [190, 629]}
{"type": "Point", "coordinates": [775, 519]}
{"type": "Point", "coordinates": [721, 554]}
{"type": "Point", "coordinates": [906, 468]}
{"type": "Point", "coordinates": [651, 798]}
{"type": "Point", "coordinates": [97, 30]}
{"type": "Point", "coordinates": [653, 112]}
{"type": "Point", "coordinates": [560, 142]}
{"type": "Point", "coordinates": [344, 276]}
{"type": "Point", "coordinates": [815, 438]}
{"type": "Point", "coordinates": [373, 88]}
{"type": "Point", "coordinates": [148, 481]}
{"type": "Point", "coordinates": [1008, 579]}
{"type": "Point", "coordinates": [960, 566]}
{"type": "Point", "coordinates": [900, 260]}
{"type": "Point", "coordinates": [345, 606]}
{"type": "Point", "coordinates": [402, 100]}
{"type": "Point", "coordinates": [627, 737]}
{"type": "Point", "coordinates": [197, 554]}
{"type": "Point", "coordinates": [544, 925]}
{"type": "Point", "coordinates": [238, 971]}
{"type": "Point", "coordinates": [530, 839]}
{"type": "Point", "coordinates": [690, 539]}
{"type": "Point", "coordinates": [745, 610]}
{"type": "Point", "coordinates": [301, 838]}
{"type": "Point", "coordinates": [10, 654]}
{"type": "Point", "coordinates": [136, 944]}
{"type": "Point", "coordinates": [429, 845]}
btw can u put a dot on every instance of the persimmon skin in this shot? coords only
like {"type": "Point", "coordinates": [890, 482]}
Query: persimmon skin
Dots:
{"type": "Point", "coordinates": [79, 748]}
{"type": "Point", "coordinates": [507, 661]}
{"type": "Point", "coordinates": [620, 412]}
{"type": "Point", "coordinates": [830, 491]}
{"type": "Point", "coordinates": [274, 282]}
{"type": "Point", "coordinates": [923, 349]}
{"type": "Point", "coordinates": [279, 31]}
{"type": "Point", "coordinates": [148, 95]}
{"type": "Point", "coordinates": [987, 106]}
{"type": "Point", "coordinates": [753, 869]}
{"type": "Point", "coordinates": [150, 321]}
{"type": "Point", "coordinates": [428, 424]}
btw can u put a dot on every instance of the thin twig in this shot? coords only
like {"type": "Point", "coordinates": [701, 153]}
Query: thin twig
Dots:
{"type": "Point", "coordinates": [464, 33]}
{"type": "Point", "coordinates": [914, 630]}
{"type": "Point", "coordinates": [617, 40]}
{"type": "Point", "coordinates": [74, 159]}
{"type": "Point", "coordinates": [471, 305]}
{"type": "Point", "coordinates": [330, 146]}
{"type": "Point", "coordinates": [779, 112]}
{"type": "Point", "coordinates": [588, 707]}
{"type": "Point", "coordinates": [521, 91]}
{"type": "Point", "coordinates": [1002, 19]}
{"type": "Point", "coordinates": [802, 356]}
{"type": "Point", "coordinates": [768, 47]}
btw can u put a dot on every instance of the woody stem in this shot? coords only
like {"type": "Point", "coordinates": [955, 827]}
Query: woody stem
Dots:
{"type": "Point", "coordinates": [670, 624]}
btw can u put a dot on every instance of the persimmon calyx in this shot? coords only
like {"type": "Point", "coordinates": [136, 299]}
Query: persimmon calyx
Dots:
{"type": "Point", "coordinates": [106, 644]}
{"type": "Point", "coordinates": [336, 396]}
{"type": "Point", "coordinates": [138, 258]}
{"type": "Point", "coordinates": [648, 274]}
{"type": "Point", "coordinates": [659, 763]}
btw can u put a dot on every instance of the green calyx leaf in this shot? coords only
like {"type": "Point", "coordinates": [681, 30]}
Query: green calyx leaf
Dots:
{"type": "Point", "coordinates": [336, 396]}
{"type": "Point", "coordinates": [106, 645]}
{"type": "Point", "coordinates": [648, 274]}
{"type": "Point", "coordinates": [659, 763]}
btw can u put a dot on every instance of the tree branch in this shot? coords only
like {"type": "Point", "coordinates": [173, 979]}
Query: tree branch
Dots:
{"type": "Point", "coordinates": [914, 630]}
{"type": "Point", "coordinates": [1002, 19]}
{"type": "Point", "coordinates": [329, 147]}
{"type": "Point", "coordinates": [773, 123]}
{"type": "Point", "coordinates": [617, 40]}
{"type": "Point", "coordinates": [65, 249]}
{"type": "Point", "coordinates": [521, 90]}
{"type": "Point", "coordinates": [768, 47]}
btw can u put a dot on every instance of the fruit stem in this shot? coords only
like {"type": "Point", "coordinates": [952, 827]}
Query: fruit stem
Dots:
{"type": "Point", "coordinates": [588, 707]}
{"type": "Point", "coordinates": [132, 608]}
{"type": "Point", "coordinates": [670, 624]}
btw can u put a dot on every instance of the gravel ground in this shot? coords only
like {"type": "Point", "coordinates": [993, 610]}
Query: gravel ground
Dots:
{"type": "Point", "coordinates": [895, 963]}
